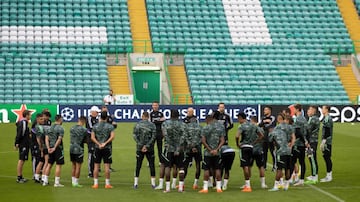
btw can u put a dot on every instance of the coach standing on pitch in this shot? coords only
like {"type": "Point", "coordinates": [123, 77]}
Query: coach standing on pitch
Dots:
{"type": "Point", "coordinates": [268, 123]}
{"type": "Point", "coordinates": [225, 119]}
{"type": "Point", "coordinates": [22, 143]}
{"type": "Point", "coordinates": [91, 121]}
{"type": "Point", "coordinates": [157, 118]}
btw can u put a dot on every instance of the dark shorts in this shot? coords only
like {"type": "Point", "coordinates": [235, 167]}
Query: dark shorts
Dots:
{"type": "Point", "coordinates": [259, 160]}
{"type": "Point", "coordinates": [246, 157]}
{"type": "Point", "coordinates": [23, 152]}
{"type": "Point", "coordinates": [77, 158]}
{"type": "Point", "coordinates": [194, 155]}
{"type": "Point", "coordinates": [283, 162]}
{"type": "Point", "coordinates": [213, 162]}
{"type": "Point", "coordinates": [57, 156]}
{"type": "Point", "coordinates": [35, 151]}
{"type": "Point", "coordinates": [227, 160]}
{"type": "Point", "coordinates": [171, 160]}
{"type": "Point", "coordinates": [103, 154]}
{"type": "Point", "coordinates": [45, 152]}
{"type": "Point", "coordinates": [327, 150]}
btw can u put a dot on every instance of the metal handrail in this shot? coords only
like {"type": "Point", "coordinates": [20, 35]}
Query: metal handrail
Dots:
{"type": "Point", "coordinates": [145, 46]}
{"type": "Point", "coordinates": [136, 101]}
{"type": "Point", "coordinates": [177, 96]}
{"type": "Point", "coordinates": [168, 79]}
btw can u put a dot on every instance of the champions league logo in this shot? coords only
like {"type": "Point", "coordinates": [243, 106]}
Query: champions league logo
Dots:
{"type": "Point", "coordinates": [67, 114]}
{"type": "Point", "coordinates": [250, 112]}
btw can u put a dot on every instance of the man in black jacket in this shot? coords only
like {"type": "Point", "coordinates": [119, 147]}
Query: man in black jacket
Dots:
{"type": "Point", "coordinates": [22, 143]}
{"type": "Point", "coordinates": [157, 118]}
{"type": "Point", "coordinates": [225, 119]}
{"type": "Point", "coordinates": [268, 123]}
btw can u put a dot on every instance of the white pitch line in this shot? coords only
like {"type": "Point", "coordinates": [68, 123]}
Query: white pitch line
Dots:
{"type": "Point", "coordinates": [321, 190]}
{"type": "Point", "coordinates": [326, 193]}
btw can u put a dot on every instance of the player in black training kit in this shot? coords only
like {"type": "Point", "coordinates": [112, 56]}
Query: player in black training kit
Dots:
{"type": "Point", "coordinates": [326, 142]}
{"type": "Point", "coordinates": [22, 143]}
{"type": "Point", "coordinates": [91, 121]}
{"type": "Point", "coordinates": [268, 123]}
{"type": "Point", "coordinates": [225, 119]}
{"type": "Point", "coordinates": [34, 146]}
{"type": "Point", "coordinates": [157, 118]}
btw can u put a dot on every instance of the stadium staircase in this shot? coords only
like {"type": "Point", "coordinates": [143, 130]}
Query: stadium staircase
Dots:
{"type": "Point", "coordinates": [139, 26]}
{"type": "Point", "coordinates": [179, 83]}
{"type": "Point", "coordinates": [118, 79]}
{"type": "Point", "coordinates": [349, 81]}
{"type": "Point", "coordinates": [351, 19]}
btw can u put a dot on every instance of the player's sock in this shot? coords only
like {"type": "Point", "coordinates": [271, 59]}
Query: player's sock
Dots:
{"type": "Point", "coordinates": [262, 180]}
{"type": "Point", "coordinates": [276, 184]}
{"type": "Point", "coordinates": [196, 181]}
{"type": "Point", "coordinates": [247, 183]}
{"type": "Point", "coordinates": [167, 186]}
{"type": "Point", "coordinates": [73, 180]}
{"type": "Point", "coordinates": [161, 182]}
{"type": "Point", "coordinates": [76, 180]}
{"type": "Point", "coordinates": [46, 179]}
{"type": "Point", "coordinates": [42, 177]}
{"type": "Point", "coordinates": [136, 180]}
{"type": "Point", "coordinates": [181, 186]}
{"type": "Point", "coordinates": [206, 185]}
{"type": "Point", "coordinates": [225, 182]}
{"type": "Point", "coordinates": [286, 184]}
{"type": "Point", "coordinates": [296, 177]}
{"type": "Point", "coordinates": [211, 180]}
{"type": "Point", "coordinates": [37, 177]}
{"type": "Point", "coordinates": [96, 181]}
{"type": "Point", "coordinates": [57, 180]}
{"type": "Point", "coordinates": [316, 178]}
{"type": "Point", "coordinates": [218, 184]}
{"type": "Point", "coordinates": [107, 181]}
{"type": "Point", "coordinates": [173, 185]}
{"type": "Point", "coordinates": [152, 181]}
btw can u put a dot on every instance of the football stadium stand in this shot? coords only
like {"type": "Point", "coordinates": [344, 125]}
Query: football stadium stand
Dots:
{"type": "Point", "coordinates": [53, 51]}
{"type": "Point", "coordinates": [233, 55]}
{"type": "Point", "coordinates": [236, 51]}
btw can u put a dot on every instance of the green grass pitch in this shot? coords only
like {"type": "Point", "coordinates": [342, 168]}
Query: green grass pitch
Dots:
{"type": "Point", "coordinates": [345, 186]}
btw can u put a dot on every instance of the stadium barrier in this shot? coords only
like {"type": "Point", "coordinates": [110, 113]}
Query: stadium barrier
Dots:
{"type": "Point", "coordinates": [10, 113]}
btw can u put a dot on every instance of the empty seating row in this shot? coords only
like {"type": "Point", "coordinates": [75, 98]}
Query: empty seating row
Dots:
{"type": "Point", "coordinates": [279, 78]}
{"type": "Point", "coordinates": [67, 21]}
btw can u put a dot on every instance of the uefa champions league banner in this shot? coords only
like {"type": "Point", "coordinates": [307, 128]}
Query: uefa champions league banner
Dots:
{"type": "Point", "coordinates": [130, 113]}
{"type": "Point", "coordinates": [10, 113]}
